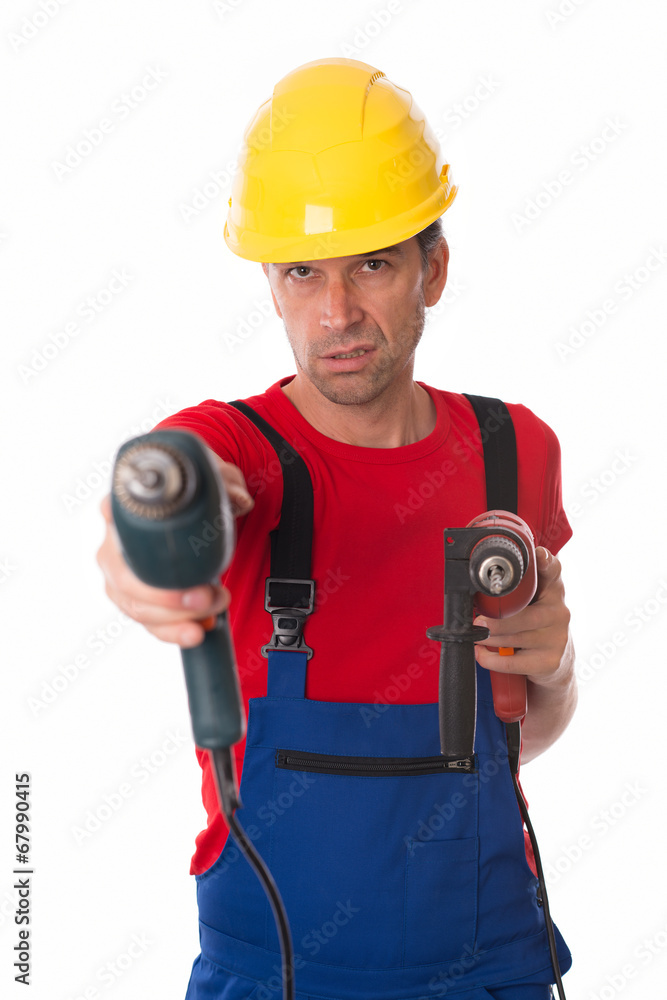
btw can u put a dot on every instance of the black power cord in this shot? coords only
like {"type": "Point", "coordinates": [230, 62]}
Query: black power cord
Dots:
{"type": "Point", "coordinates": [513, 730]}
{"type": "Point", "coordinates": [223, 767]}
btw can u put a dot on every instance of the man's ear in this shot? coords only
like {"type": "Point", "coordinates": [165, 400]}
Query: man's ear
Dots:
{"type": "Point", "coordinates": [435, 278]}
{"type": "Point", "coordinates": [265, 268]}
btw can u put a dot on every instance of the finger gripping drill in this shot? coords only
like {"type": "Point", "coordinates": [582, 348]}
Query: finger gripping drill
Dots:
{"type": "Point", "coordinates": [489, 564]}
{"type": "Point", "coordinates": [166, 493]}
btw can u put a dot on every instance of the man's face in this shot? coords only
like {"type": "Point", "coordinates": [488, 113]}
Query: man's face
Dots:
{"type": "Point", "coordinates": [371, 302]}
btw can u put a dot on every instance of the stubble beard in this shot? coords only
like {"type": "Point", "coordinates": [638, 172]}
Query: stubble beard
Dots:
{"type": "Point", "coordinates": [356, 388]}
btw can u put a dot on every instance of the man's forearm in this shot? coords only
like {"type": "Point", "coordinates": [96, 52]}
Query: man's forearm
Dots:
{"type": "Point", "coordinates": [551, 705]}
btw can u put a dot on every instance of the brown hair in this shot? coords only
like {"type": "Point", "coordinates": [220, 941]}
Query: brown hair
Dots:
{"type": "Point", "coordinates": [428, 240]}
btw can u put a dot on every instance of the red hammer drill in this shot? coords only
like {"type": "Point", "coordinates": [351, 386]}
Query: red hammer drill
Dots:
{"type": "Point", "coordinates": [490, 565]}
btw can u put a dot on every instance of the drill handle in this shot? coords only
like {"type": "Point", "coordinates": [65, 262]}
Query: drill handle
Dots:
{"type": "Point", "coordinates": [510, 696]}
{"type": "Point", "coordinates": [213, 689]}
{"type": "Point", "coordinates": [457, 699]}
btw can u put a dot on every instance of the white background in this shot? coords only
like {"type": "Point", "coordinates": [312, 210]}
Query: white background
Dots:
{"type": "Point", "coordinates": [536, 91]}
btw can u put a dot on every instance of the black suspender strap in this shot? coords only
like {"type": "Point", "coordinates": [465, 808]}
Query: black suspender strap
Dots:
{"type": "Point", "coordinates": [502, 490]}
{"type": "Point", "coordinates": [499, 443]}
{"type": "Point", "coordinates": [500, 462]}
{"type": "Point", "coordinates": [290, 586]}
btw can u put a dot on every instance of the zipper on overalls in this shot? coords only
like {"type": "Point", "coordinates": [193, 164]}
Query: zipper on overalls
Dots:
{"type": "Point", "coordinates": [374, 767]}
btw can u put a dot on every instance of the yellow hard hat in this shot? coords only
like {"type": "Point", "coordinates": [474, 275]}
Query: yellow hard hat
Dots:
{"type": "Point", "coordinates": [339, 161]}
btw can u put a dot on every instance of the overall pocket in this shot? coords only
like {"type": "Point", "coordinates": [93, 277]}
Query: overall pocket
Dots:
{"type": "Point", "coordinates": [441, 881]}
{"type": "Point", "coordinates": [340, 848]}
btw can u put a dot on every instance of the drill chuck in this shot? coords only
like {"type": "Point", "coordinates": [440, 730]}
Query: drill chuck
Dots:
{"type": "Point", "coordinates": [496, 566]}
{"type": "Point", "coordinates": [154, 481]}
{"type": "Point", "coordinates": [171, 511]}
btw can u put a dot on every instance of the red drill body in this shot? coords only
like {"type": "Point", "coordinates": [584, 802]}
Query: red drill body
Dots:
{"type": "Point", "coordinates": [509, 690]}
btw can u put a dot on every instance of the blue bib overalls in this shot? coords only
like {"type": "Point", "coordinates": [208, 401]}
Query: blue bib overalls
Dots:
{"type": "Point", "coordinates": [403, 877]}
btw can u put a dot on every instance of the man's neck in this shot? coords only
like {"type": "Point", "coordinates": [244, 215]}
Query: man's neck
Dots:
{"type": "Point", "coordinates": [405, 416]}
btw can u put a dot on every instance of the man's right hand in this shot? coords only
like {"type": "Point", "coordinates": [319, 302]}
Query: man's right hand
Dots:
{"type": "Point", "coordinates": [170, 615]}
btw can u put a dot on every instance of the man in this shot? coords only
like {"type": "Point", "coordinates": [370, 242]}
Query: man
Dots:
{"type": "Point", "coordinates": [397, 882]}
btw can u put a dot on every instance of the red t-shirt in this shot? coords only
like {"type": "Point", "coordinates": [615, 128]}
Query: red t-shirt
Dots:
{"type": "Point", "coordinates": [378, 548]}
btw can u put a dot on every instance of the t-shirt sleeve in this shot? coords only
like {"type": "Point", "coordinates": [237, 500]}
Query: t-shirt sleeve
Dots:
{"type": "Point", "coordinates": [540, 478]}
{"type": "Point", "coordinates": [554, 530]}
{"type": "Point", "coordinates": [235, 439]}
{"type": "Point", "coordinates": [226, 432]}
{"type": "Point", "coordinates": [211, 422]}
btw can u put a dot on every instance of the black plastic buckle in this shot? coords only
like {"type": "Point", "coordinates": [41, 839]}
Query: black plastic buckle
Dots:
{"type": "Point", "coordinates": [288, 622]}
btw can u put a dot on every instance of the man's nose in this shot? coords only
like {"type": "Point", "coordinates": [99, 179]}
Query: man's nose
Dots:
{"type": "Point", "coordinates": [341, 307]}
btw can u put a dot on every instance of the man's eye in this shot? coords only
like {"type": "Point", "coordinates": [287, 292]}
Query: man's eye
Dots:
{"type": "Point", "coordinates": [375, 265]}
{"type": "Point", "coordinates": [300, 272]}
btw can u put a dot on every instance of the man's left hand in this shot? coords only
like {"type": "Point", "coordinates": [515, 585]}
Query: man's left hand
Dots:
{"type": "Point", "coordinates": [539, 634]}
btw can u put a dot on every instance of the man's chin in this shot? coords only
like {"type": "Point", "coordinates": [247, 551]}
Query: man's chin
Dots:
{"type": "Point", "coordinates": [348, 388]}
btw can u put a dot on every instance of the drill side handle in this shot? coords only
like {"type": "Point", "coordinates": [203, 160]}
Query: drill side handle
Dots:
{"type": "Point", "coordinates": [213, 689]}
{"type": "Point", "coordinates": [457, 695]}
{"type": "Point", "coordinates": [457, 699]}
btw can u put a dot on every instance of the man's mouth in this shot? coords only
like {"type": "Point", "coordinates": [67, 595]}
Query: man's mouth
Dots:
{"type": "Point", "coordinates": [354, 354]}
{"type": "Point", "coordinates": [354, 351]}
